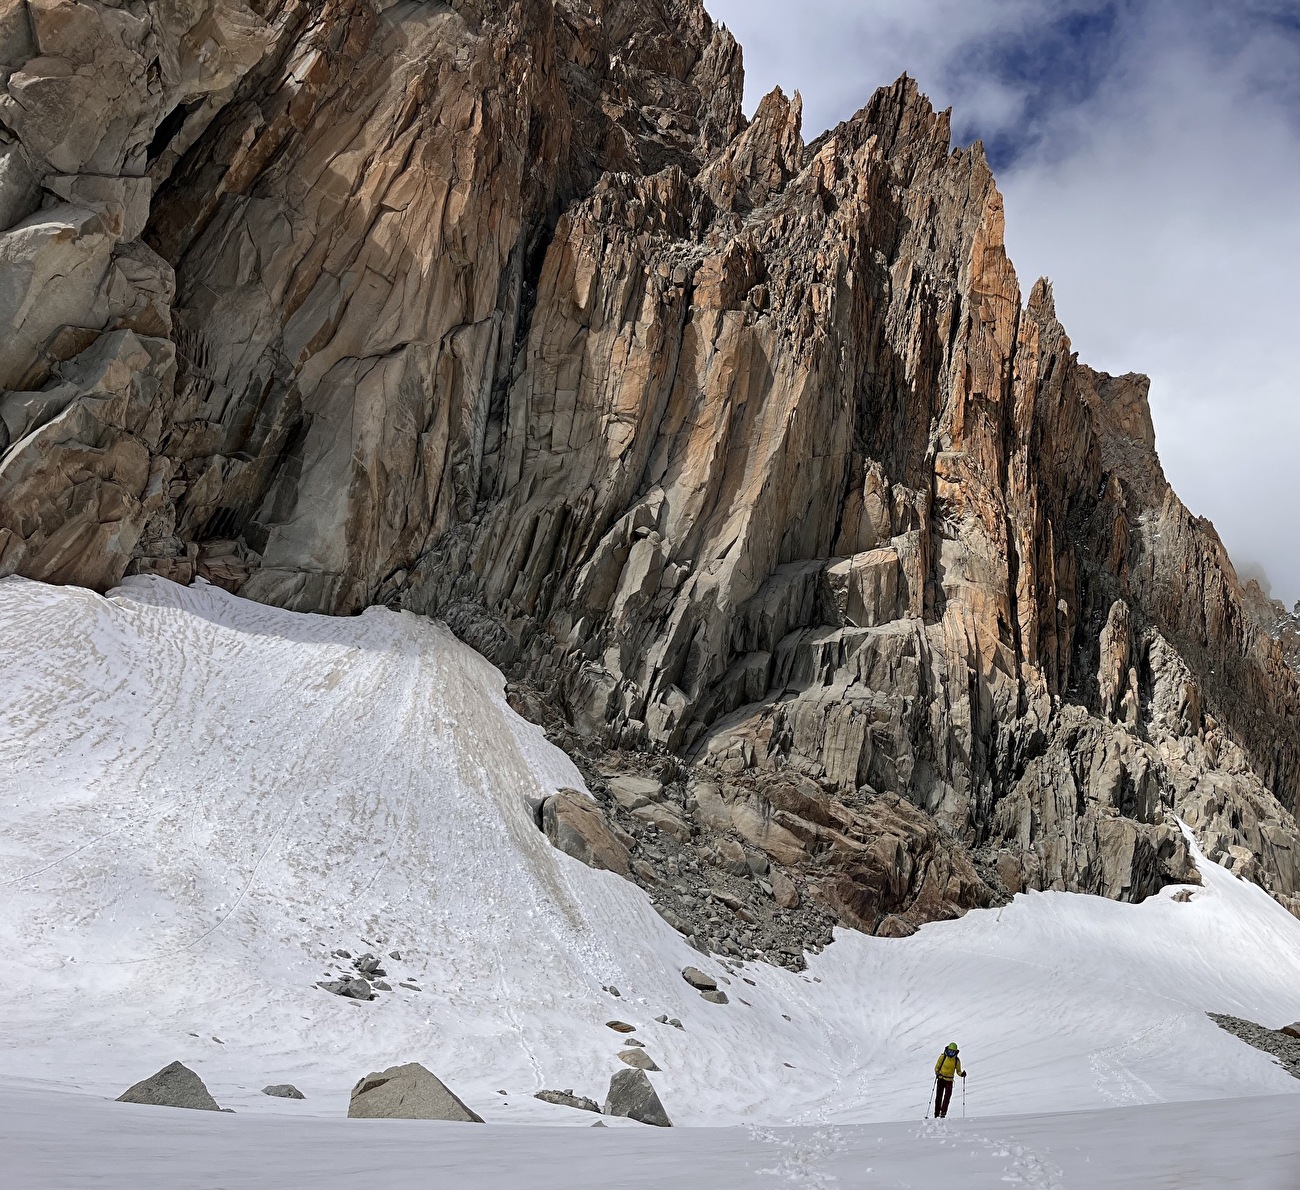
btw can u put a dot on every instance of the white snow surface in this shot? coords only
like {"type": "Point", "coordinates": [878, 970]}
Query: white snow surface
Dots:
{"type": "Point", "coordinates": [202, 798]}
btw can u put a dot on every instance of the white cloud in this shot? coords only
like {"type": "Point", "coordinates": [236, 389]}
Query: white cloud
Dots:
{"type": "Point", "coordinates": [1163, 200]}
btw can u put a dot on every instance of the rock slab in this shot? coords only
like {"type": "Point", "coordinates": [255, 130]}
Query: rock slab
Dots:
{"type": "Point", "coordinates": [409, 1092]}
{"type": "Point", "coordinates": [568, 1099]}
{"type": "Point", "coordinates": [698, 980]}
{"type": "Point", "coordinates": [638, 1060]}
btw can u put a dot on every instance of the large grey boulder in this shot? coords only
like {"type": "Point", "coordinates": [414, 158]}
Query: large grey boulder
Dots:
{"type": "Point", "coordinates": [407, 1092]}
{"type": "Point", "coordinates": [574, 825]}
{"type": "Point", "coordinates": [632, 1095]}
{"type": "Point", "coordinates": [173, 1086]}
{"type": "Point", "coordinates": [1292, 1030]}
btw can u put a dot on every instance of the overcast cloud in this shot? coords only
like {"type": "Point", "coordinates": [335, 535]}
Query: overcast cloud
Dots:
{"type": "Point", "coordinates": [1150, 158]}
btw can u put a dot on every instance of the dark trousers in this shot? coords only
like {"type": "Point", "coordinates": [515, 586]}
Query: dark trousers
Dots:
{"type": "Point", "coordinates": [942, 1093]}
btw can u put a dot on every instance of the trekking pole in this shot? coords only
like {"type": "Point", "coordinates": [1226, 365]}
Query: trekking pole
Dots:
{"type": "Point", "coordinates": [930, 1098]}
{"type": "Point", "coordinates": [963, 1098]}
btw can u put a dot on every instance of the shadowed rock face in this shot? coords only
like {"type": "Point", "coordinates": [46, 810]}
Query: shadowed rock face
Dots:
{"type": "Point", "coordinates": [743, 455]}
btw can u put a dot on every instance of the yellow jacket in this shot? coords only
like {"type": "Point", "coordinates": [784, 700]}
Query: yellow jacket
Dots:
{"type": "Point", "coordinates": [947, 1066]}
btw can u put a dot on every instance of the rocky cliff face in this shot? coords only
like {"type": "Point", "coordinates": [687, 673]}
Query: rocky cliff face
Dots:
{"type": "Point", "coordinates": [743, 456]}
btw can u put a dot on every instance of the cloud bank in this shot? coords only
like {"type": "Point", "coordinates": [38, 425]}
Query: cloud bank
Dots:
{"type": "Point", "coordinates": [1149, 154]}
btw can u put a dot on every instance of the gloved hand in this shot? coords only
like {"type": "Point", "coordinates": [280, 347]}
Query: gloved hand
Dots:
{"type": "Point", "coordinates": [963, 1074]}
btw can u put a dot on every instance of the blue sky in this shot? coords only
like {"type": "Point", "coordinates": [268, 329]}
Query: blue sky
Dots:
{"type": "Point", "coordinates": [1149, 152]}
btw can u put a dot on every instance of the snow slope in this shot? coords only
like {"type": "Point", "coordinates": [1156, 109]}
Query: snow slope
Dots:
{"type": "Point", "coordinates": [201, 798]}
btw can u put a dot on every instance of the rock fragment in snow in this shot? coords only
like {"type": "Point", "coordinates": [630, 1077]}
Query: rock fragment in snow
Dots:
{"type": "Point", "coordinates": [395, 956]}
{"type": "Point", "coordinates": [383, 986]}
{"type": "Point", "coordinates": [717, 996]}
{"type": "Point", "coordinates": [408, 1092]}
{"type": "Point", "coordinates": [632, 1095]}
{"type": "Point", "coordinates": [348, 987]}
{"type": "Point", "coordinates": [568, 1099]}
{"type": "Point", "coordinates": [410, 987]}
{"type": "Point", "coordinates": [175, 1085]}
{"type": "Point", "coordinates": [1291, 1030]}
{"type": "Point", "coordinates": [633, 1041]}
{"type": "Point", "coordinates": [698, 980]}
{"type": "Point", "coordinates": [638, 1059]}
{"type": "Point", "coordinates": [283, 1091]}
{"type": "Point", "coordinates": [620, 1026]}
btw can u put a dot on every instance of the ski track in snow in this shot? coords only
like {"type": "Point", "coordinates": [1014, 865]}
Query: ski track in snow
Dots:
{"type": "Point", "coordinates": [202, 798]}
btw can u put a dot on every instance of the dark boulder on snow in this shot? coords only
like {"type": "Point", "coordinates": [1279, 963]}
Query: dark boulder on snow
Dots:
{"type": "Point", "coordinates": [1291, 1030]}
{"type": "Point", "coordinates": [698, 980]}
{"type": "Point", "coordinates": [407, 1092]}
{"type": "Point", "coordinates": [717, 996]}
{"type": "Point", "coordinates": [283, 1091]}
{"type": "Point", "coordinates": [632, 1095]}
{"type": "Point", "coordinates": [620, 1026]}
{"type": "Point", "coordinates": [352, 989]}
{"type": "Point", "coordinates": [568, 1099]}
{"type": "Point", "coordinates": [173, 1086]}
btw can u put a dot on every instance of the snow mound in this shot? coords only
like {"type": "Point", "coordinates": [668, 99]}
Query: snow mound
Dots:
{"type": "Point", "coordinates": [202, 799]}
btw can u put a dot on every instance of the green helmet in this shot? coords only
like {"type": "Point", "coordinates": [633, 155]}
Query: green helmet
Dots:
{"type": "Point", "coordinates": [952, 1047]}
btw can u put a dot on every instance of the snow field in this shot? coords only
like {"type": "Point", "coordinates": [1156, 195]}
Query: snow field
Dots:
{"type": "Point", "coordinates": [202, 798]}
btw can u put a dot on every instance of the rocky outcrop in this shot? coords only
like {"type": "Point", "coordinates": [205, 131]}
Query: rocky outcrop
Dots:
{"type": "Point", "coordinates": [744, 456]}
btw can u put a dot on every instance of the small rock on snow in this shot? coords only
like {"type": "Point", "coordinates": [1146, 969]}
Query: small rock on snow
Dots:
{"type": "Point", "coordinates": [638, 1059]}
{"type": "Point", "coordinates": [283, 1091]}
{"type": "Point", "coordinates": [697, 979]}
{"type": "Point", "coordinates": [568, 1099]}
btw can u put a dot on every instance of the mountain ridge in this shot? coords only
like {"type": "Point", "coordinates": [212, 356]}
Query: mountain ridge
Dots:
{"type": "Point", "coordinates": [740, 456]}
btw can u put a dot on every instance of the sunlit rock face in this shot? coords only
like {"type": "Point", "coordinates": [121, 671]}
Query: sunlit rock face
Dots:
{"type": "Point", "coordinates": [730, 448]}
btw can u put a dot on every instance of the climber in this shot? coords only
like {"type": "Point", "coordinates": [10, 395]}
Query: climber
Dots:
{"type": "Point", "coordinates": [944, 1069]}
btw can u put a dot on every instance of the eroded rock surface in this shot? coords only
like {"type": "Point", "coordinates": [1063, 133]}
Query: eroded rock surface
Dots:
{"type": "Point", "coordinates": [744, 456]}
